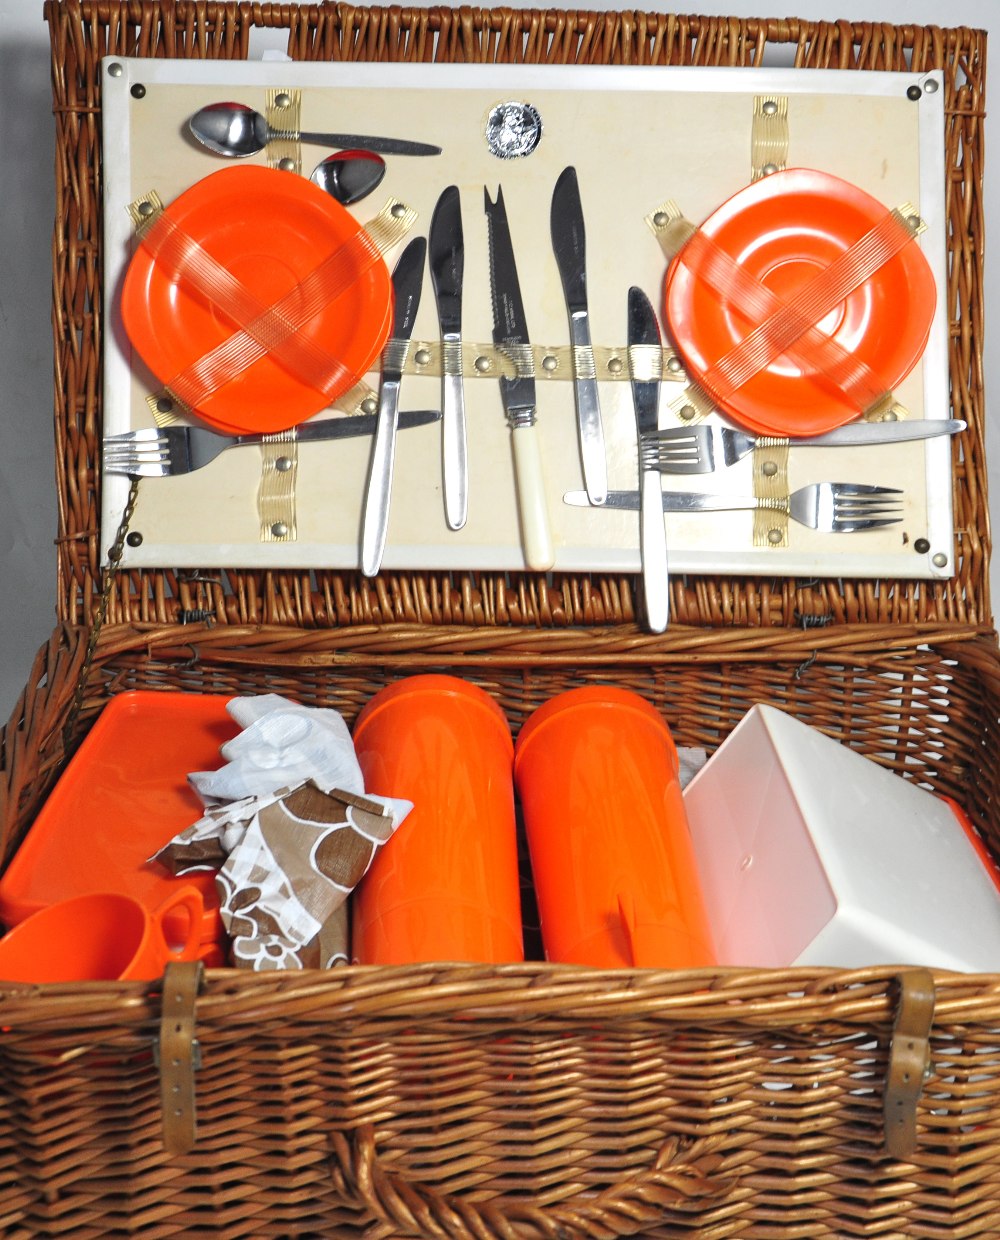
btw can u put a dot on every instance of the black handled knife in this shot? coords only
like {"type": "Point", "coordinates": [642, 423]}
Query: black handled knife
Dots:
{"type": "Point", "coordinates": [510, 332]}
{"type": "Point", "coordinates": [446, 258]}
{"type": "Point", "coordinates": [569, 243]}
{"type": "Point", "coordinates": [406, 281]}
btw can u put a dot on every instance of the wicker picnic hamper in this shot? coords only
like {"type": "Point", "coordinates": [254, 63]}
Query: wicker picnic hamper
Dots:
{"type": "Point", "coordinates": [518, 1100]}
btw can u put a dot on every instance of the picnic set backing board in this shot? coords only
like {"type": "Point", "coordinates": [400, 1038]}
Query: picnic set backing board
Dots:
{"type": "Point", "coordinates": [638, 137]}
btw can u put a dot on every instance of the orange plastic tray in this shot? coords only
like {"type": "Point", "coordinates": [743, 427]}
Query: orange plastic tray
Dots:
{"type": "Point", "coordinates": [123, 795]}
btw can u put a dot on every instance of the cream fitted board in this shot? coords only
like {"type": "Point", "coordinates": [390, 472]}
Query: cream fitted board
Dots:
{"type": "Point", "coordinates": [638, 137]}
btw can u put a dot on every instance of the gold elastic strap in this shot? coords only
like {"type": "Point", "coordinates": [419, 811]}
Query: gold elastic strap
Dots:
{"type": "Point", "coordinates": [770, 483]}
{"type": "Point", "coordinates": [282, 112]}
{"type": "Point", "coordinates": [262, 329]}
{"type": "Point", "coordinates": [790, 321]}
{"type": "Point", "coordinates": [815, 350]}
{"type": "Point", "coordinates": [276, 491]}
{"type": "Point", "coordinates": [768, 136]}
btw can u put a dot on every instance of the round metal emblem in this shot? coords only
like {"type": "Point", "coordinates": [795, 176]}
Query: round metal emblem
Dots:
{"type": "Point", "coordinates": [513, 129]}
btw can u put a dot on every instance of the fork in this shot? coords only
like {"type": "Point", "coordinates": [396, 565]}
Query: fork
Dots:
{"type": "Point", "coordinates": [692, 449]}
{"type": "Point", "coordinates": [830, 507]}
{"type": "Point", "coordinates": [170, 450]}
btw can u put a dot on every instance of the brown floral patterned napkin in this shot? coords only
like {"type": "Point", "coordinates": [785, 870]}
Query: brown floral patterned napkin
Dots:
{"type": "Point", "coordinates": [285, 864]}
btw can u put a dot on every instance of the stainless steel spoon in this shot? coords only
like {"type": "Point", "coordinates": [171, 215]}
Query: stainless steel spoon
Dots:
{"type": "Point", "coordinates": [236, 131]}
{"type": "Point", "coordinates": [349, 176]}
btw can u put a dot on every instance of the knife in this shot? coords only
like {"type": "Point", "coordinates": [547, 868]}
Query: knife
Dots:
{"type": "Point", "coordinates": [569, 245]}
{"type": "Point", "coordinates": [644, 330]}
{"type": "Point", "coordinates": [510, 330]}
{"type": "Point", "coordinates": [406, 280]}
{"type": "Point", "coordinates": [736, 445]}
{"type": "Point", "coordinates": [446, 257]}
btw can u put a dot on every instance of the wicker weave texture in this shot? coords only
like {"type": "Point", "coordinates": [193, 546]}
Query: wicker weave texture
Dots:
{"type": "Point", "coordinates": [83, 30]}
{"type": "Point", "coordinates": [527, 1100]}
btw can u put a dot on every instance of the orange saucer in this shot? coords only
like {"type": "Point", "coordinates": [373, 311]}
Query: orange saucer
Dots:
{"type": "Point", "coordinates": [783, 231]}
{"type": "Point", "coordinates": [269, 229]}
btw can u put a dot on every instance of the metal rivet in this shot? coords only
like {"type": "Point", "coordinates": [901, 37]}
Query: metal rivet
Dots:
{"type": "Point", "coordinates": [775, 536]}
{"type": "Point", "coordinates": [914, 221]}
{"type": "Point", "coordinates": [674, 365]}
{"type": "Point", "coordinates": [483, 364]}
{"type": "Point", "coordinates": [890, 416]}
{"type": "Point", "coordinates": [939, 560]}
{"type": "Point", "coordinates": [369, 404]}
{"type": "Point", "coordinates": [769, 469]}
{"type": "Point", "coordinates": [115, 70]}
{"type": "Point", "coordinates": [931, 86]}
{"type": "Point", "coordinates": [769, 169]}
{"type": "Point", "coordinates": [615, 366]}
{"type": "Point", "coordinates": [769, 108]}
{"type": "Point", "coordinates": [397, 210]}
{"type": "Point", "coordinates": [688, 412]}
{"type": "Point", "coordinates": [146, 209]}
{"type": "Point", "coordinates": [921, 546]}
{"type": "Point", "coordinates": [422, 357]}
{"type": "Point", "coordinates": [913, 92]}
{"type": "Point", "coordinates": [549, 362]}
{"type": "Point", "coordinates": [283, 464]}
{"type": "Point", "coordinates": [164, 404]}
{"type": "Point", "coordinates": [134, 539]}
{"type": "Point", "coordinates": [279, 529]}
{"type": "Point", "coordinates": [661, 219]}
{"type": "Point", "coordinates": [283, 100]}
{"type": "Point", "coordinates": [138, 91]}
{"type": "Point", "coordinates": [286, 164]}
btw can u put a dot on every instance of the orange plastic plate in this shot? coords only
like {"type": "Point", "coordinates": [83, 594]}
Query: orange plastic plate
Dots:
{"type": "Point", "coordinates": [270, 229]}
{"type": "Point", "coordinates": [122, 797]}
{"type": "Point", "coordinates": [782, 231]}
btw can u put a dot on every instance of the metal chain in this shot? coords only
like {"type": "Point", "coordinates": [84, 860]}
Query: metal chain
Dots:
{"type": "Point", "coordinates": [114, 561]}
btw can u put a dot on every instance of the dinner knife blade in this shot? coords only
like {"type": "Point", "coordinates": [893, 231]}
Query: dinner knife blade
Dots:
{"type": "Point", "coordinates": [407, 278]}
{"type": "Point", "coordinates": [569, 244]}
{"type": "Point", "coordinates": [510, 333]}
{"type": "Point", "coordinates": [643, 330]}
{"type": "Point", "coordinates": [446, 258]}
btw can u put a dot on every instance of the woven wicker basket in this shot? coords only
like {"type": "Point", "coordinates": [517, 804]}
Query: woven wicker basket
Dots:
{"type": "Point", "coordinates": [528, 1100]}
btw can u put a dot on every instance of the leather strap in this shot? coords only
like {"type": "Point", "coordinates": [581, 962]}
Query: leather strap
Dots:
{"type": "Point", "coordinates": [179, 1054]}
{"type": "Point", "coordinates": [909, 1060]}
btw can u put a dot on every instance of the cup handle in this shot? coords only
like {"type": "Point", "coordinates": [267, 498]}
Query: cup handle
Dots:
{"type": "Point", "coordinates": [190, 899]}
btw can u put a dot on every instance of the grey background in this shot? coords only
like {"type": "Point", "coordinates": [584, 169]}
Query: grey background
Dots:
{"type": "Point", "coordinates": [28, 506]}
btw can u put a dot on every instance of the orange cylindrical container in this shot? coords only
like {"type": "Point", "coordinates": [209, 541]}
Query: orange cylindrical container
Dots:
{"type": "Point", "coordinates": [101, 936]}
{"type": "Point", "coordinates": [445, 887]}
{"type": "Point", "coordinates": [614, 870]}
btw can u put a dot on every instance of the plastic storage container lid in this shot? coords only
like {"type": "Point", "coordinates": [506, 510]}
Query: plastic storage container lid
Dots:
{"type": "Point", "coordinates": [123, 796]}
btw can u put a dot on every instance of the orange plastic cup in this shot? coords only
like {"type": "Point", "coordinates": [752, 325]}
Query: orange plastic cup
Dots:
{"type": "Point", "coordinates": [102, 936]}
{"type": "Point", "coordinates": [615, 875]}
{"type": "Point", "coordinates": [445, 886]}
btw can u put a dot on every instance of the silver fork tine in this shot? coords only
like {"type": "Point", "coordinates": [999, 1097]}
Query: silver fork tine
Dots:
{"type": "Point", "coordinates": [682, 450]}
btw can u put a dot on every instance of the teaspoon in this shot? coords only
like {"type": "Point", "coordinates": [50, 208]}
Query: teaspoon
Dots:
{"type": "Point", "coordinates": [236, 131]}
{"type": "Point", "coordinates": [349, 175]}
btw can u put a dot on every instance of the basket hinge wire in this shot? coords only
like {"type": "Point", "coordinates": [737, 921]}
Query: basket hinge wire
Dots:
{"type": "Point", "coordinates": [178, 1054]}
{"type": "Point", "coordinates": [909, 1060]}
